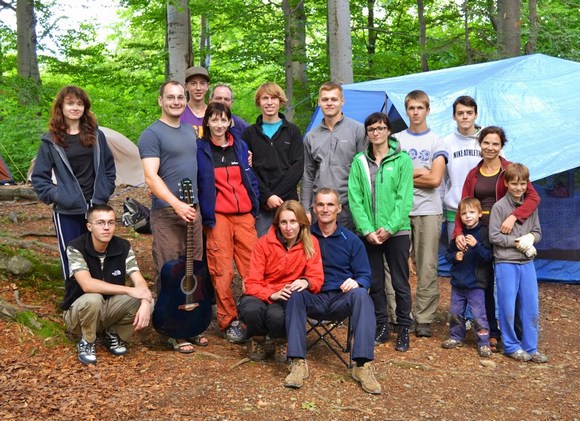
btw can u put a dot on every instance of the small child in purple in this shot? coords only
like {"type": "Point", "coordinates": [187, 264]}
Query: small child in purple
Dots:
{"type": "Point", "coordinates": [469, 278]}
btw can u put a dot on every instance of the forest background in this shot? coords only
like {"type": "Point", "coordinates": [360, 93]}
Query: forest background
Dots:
{"type": "Point", "coordinates": [124, 54]}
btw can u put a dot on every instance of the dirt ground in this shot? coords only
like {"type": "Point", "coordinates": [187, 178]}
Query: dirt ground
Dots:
{"type": "Point", "coordinates": [42, 378]}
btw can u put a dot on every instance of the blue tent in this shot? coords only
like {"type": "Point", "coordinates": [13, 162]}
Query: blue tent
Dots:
{"type": "Point", "coordinates": [536, 99]}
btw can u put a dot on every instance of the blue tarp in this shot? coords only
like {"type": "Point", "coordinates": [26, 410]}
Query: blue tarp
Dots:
{"type": "Point", "coordinates": [535, 98]}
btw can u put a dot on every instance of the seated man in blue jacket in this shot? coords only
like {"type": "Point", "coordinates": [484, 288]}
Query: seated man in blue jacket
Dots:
{"type": "Point", "coordinates": [96, 297]}
{"type": "Point", "coordinates": [347, 278]}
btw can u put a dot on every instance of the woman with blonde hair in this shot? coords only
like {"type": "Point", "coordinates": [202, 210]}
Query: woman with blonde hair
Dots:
{"type": "Point", "coordinates": [285, 260]}
{"type": "Point", "coordinates": [75, 152]}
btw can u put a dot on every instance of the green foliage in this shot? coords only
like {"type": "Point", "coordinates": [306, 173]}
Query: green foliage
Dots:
{"type": "Point", "coordinates": [559, 34]}
{"type": "Point", "coordinates": [123, 73]}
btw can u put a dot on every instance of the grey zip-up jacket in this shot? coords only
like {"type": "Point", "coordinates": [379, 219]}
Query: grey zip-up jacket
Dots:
{"type": "Point", "coordinates": [328, 155]}
{"type": "Point", "coordinates": [66, 195]}
{"type": "Point", "coordinates": [504, 245]}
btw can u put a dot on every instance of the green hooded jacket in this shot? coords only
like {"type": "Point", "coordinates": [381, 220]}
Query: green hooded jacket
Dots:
{"type": "Point", "coordinates": [393, 191]}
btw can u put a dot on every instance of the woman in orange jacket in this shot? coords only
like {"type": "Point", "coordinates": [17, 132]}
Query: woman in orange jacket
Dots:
{"type": "Point", "coordinates": [285, 260]}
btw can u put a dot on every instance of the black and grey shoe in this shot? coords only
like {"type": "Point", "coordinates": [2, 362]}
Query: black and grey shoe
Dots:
{"type": "Point", "coordinates": [115, 344]}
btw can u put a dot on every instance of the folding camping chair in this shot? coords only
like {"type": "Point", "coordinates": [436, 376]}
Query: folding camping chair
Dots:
{"type": "Point", "coordinates": [324, 331]}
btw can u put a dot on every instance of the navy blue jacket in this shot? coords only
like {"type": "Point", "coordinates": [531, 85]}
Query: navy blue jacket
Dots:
{"type": "Point", "coordinates": [343, 256]}
{"type": "Point", "coordinates": [66, 195]}
{"type": "Point", "coordinates": [474, 270]}
{"type": "Point", "coordinates": [206, 179]}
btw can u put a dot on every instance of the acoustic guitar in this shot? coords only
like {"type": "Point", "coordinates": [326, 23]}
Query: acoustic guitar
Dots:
{"type": "Point", "coordinates": [183, 307]}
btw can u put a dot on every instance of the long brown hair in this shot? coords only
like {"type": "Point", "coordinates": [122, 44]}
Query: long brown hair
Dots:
{"type": "Point", "coordinates": [304, 235]}
{"type": "Point", "coordinates": [57, 125]}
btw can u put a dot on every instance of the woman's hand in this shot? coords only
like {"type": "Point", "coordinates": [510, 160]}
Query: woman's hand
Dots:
{"type": "Point", "coordinates": [283, 294]}
{"type": "Point", "coordinates": [383, 235]}
{"type": "Point", "coordinates": [299, 285]}
{"type": "Point", "coordinates": [373, 238]}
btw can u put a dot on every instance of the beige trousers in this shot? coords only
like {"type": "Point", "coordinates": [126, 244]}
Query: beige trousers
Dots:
{"type": "Point", "coordinates": [91, 313]}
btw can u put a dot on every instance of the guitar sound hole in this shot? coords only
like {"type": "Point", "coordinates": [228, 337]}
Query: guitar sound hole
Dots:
{"type": "Point", "coordinates": [189, 284]}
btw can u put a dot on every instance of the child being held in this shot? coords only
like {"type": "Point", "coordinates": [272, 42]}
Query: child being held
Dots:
{"type": "Point", "coordinates": [515, 273]}
{"type": "Point", "coordinates": [469, 274]}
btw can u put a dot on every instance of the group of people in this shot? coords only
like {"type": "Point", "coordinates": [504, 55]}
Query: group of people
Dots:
{"type": "Point", "coordinates": [341, 248]}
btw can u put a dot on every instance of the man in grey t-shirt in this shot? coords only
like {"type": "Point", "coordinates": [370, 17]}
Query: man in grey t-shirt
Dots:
{"type": "Point", "coordinates": [168, 151]}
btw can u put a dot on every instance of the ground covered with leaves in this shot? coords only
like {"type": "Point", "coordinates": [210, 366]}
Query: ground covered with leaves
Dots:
{"type": "Point", "coordinates": [41, 378]}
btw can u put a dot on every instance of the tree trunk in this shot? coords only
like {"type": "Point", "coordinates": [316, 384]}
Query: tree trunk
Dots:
{"type": "Point", "coordinates": [508, 29]}
{"type": "Point", "coordinates": [465, 8]}
{"type": "Point", "coordinates": [339, 41]}
{"type": "Point", "coordinates": [178, 38]}
{"type": "Point", "coordinates": [204, 43]}
{"type": "Point", "coordinates": [297, 90]}
{"type": "Point", "coordinates": [27, 59]}
{"type": "Point", "coordinates": [372, 38]}
{"type": "Point", "coordinates": [534, 27]}
{"type": "Point", "coordinates": [422, 35]}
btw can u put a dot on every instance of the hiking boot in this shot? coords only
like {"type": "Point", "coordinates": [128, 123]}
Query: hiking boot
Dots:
{"type": "Point", "coordinates": [484, 351]}
{"type": "Point", "coordinates": [87, 352]}
{"type": "Point", "coordinates": [234, 333]}
{"type": "Point", "coordinates": [423, 330]}
{"type": "Point", "coordinates": [382, 334]}
{"type": "Point", "coordinates": [256, 348]}
{"type": "Point", "coordinates": [280, 350]}
{"type": "Point", "coordinates": [451, 343]}
{"type": "Point", "coordinates": [402, 344]}
{"type": "Point", "coordinates": [520, 355]}
{"type": "Point", "coordinates": [298, 373]}
{"type": "Point", "coordinates": [538, 357]}
{"type": "Point", "coordinates": [269, 346]}
{"type": "Point", "coordinates": [365, 375]}
{"type": "Point", "coordinates": [115, 344]}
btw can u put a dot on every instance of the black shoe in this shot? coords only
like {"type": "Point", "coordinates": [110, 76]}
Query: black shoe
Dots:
{"type": "Point", "coordinates": [115, 344]}
{"type": "Point", "coordinates": [424, 330]}
{"type": "Point", "coordinates": [382, 334]}
{"type": "Point", "coordinates": [402, 344]}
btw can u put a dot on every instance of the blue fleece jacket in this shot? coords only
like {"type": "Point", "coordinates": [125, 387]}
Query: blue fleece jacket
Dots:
{"type": "Point", "coordinates": [343, 256]}
{"type": "Point", "coordinates": [475, 268]}
{"type": "Point", "coordinates": [206, 179]}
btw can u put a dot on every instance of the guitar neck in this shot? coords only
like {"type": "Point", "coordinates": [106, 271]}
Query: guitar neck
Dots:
{"type": "Point", "coordinates": [189, 250]}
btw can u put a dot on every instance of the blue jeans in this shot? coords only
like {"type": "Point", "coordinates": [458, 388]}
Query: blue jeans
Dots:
{"type": "Point", "coordinates": [460, 299]}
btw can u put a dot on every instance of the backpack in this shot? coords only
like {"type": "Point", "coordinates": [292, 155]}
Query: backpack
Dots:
{"type": "Point", "coordinates": [136, 215]}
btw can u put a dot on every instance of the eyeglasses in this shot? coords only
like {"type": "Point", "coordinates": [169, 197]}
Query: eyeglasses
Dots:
{"type": "Point", "coordinates": [100, 223]}
{"type": "Point", "coordinates": [376, 129]}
